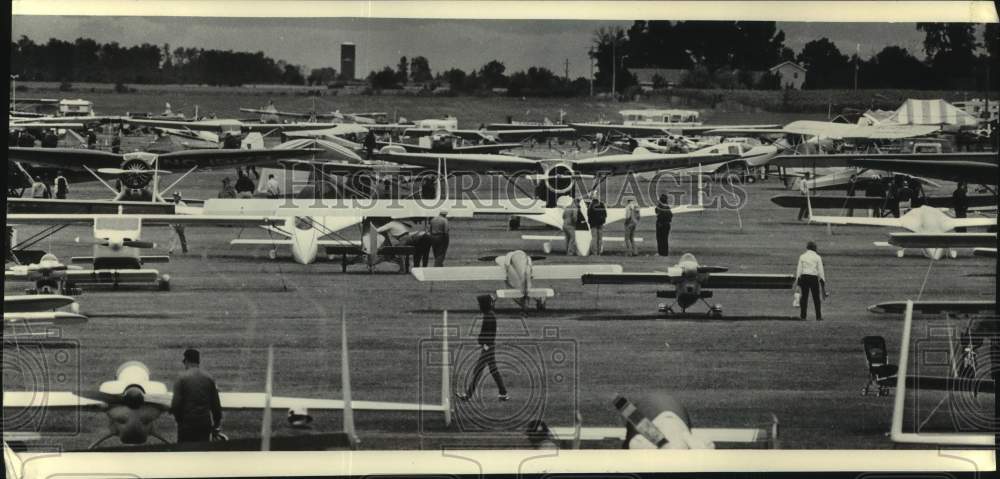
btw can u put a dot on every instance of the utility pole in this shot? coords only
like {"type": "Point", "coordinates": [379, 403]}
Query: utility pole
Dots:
{"type": "Point", "coordinates": [13, 91]}
{"type": "Point", "coordinates": [567, 69]}
{"type": "Point", "coordinates": [857, 65]}
{"type": "Point", "coordinates": [614, 69]}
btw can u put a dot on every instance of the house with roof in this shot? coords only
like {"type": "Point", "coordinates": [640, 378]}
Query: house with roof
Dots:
{"type": "Point", "coordinates": [791, 74]}
{"type": "Point", "coordinates": [650, 78]}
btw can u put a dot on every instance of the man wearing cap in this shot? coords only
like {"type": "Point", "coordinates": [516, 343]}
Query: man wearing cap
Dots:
{"type": "Point", "coordinates": [179, 238]}
{"type": "Point", "coordinates": [439, 237]}
{"type": "Point", "coordinates": [195, 404]}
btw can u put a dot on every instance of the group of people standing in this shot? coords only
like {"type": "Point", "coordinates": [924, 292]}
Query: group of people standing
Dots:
{"type": "Point", "coordinates": [597, 216]}
{"type": "Point", "coordinates": [435, 237]}
{"type": "Point", "coordinates": [60, 185]}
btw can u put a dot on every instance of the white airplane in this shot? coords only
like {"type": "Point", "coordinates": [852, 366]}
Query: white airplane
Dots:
{"type": "Point", "coordinates": [304, 223]}
{"type": "Point", "coordinates": [517, 270]}
{"type": "Point", "coordinates": [49, 275]}
{"type": "Point", "coordinates": [661, 422]}
{"type": "Point", "coordinates": [692, 281]}
{"type": "Point", "coordinates": [652, 122]}
{"type": "Point", "coordinates": [117, 246]}
{"type": "Point", "coordinates": [924, 220]}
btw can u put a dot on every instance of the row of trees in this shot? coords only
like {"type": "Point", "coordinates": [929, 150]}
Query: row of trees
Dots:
{"type": "Point", "coordinates": [535, 81]}
{"type": "Point", "coordinates": [734, 55]}
{"type": "Point", "coordinates": [86, 60]}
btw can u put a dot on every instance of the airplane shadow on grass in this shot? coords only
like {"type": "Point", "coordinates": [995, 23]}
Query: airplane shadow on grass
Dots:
{"type": "Point", "coordinates": [556, 313]}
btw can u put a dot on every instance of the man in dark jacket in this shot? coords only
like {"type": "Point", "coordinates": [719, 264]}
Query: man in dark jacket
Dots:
{"type": "Point", "coordinates": [960, 202]}
{"type": "Point", "coordinates": [195, 405]}
{"type": "Point", "coordinates": [50, 140]}
{"type": "Point", "coordinates": [663, 219]}
{"type": "Point", "coordinates": [597, 215]}
{"type": "Point", "coordinates": [244, 184]}
{"type": "Point", "coordinates": [487, 354]}
{"type": "Point", "coordinates": [369, 144]}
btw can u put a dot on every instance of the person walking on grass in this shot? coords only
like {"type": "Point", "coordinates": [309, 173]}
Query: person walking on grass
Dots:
{"type": "Point", "coordinates": [632, 216]}
{"type": "Point", "coordinates": [487, 354]}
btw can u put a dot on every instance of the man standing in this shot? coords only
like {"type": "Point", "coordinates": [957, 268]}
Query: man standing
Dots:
{"type": "Point", "coordinates": [597, 215]}
{"type": "Point", "coordinates": [487, 354]}
{"type": "Point", "coordinates": [810, 279]}
{"type": "Point", "coordinates": [804, 189]}
{"type": "Point", "coordinates": [227, 190]}
{"type": "Point", "coordinates": [195, 404]}
{"type": "Point", "coordinates": [116, 142]}
{"type": "Point", "coordinates": [273, 188]}
{"type": "Point", "coordinates": [50, 140]}
{"type": "Point", "coordinates": [632, 216]}
{"type": "Point", "coordinates": [244, 185]}
{"type": "Point", "coordinates": [960, 202]}
{"type": "Point", "coordinates": [852, 189]}
{"type": "Point", "coordinates": [663, 219]}
{"type": "Point", "coordinates": [38, 188]}
{"type": "Point", "coordinates": [91, 139]}
{"type": "Point", "coordinates": [569, 227]}
{"type": "Point", "coordinates": [369, 144]}
{"type": "Point", "coordinates": [61, 186]}
{"type": "Point", "coordinates": [440, 237]}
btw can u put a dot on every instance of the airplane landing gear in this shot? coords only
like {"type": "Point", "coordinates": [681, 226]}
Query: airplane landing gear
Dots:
{"type": "Point", "coordinates": [272, 254]}
{"type": "Point", "coordinates": [953, 253]}
{"type": "Point", "coordinates": [540, 304]}
{"type": "Point", "coordinates": [900, 253]}
{"type": "Point", "coordinates": [547, 247]}
{"type": "Point", "coordinates": [715, 311]}
{"type": "Point", "coordinates": [164, 283]}
{"type": "Point", "coordinates": [666, 309]}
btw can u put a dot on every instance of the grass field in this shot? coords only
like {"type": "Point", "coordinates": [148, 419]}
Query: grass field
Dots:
{"type": "Point", "coordinates": [232, 302]}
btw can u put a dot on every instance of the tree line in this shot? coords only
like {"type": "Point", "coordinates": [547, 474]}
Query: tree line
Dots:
{"type": "Point", "coordinates": [490, 78]}
{"type": "Point", "coordinates": [737, 55]}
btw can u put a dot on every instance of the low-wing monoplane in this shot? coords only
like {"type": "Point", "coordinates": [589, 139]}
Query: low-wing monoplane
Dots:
{"type": "Point", "coordinates": [694, 282]}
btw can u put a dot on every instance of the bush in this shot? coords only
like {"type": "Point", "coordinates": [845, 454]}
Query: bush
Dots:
{"type": "Point", "coordinates": [123, 88]}
{"type": "Point", "coordinates": [21, 88]}
{"type": "Point", "coordinates": [65, 86]}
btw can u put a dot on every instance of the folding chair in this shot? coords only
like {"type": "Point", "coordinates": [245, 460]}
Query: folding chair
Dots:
{"type": "Point", "coordinates": [881, 374]}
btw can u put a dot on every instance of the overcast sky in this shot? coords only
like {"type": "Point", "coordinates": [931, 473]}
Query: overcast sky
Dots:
{"type": "Point", "coordinates": [466, 44]}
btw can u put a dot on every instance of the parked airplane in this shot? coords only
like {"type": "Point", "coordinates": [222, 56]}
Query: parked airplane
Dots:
{"type": "Point", "coordinates": [652, 122]}
{"type": "Point", "coordinates": [518, 271]}
{"type": "Point", "coordinates": [49, 276]}
{"type": "Point", "coordinates": [271, 114]}
{"type": "Point", "coordinates": [117, 257]}
{"type": "Point", "coordinates": [140, 172]}
{"type": "Point", "coordinates": [924, 220]}
{"type": "Point", "coordinates": [692, 281]}
{"type": "Point", "coordinates": [40, 310]}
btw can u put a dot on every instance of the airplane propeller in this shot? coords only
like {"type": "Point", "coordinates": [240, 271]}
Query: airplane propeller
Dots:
{"type": "Point", "coordinates": [110, 244]}
{"type": "Point", "coordinates": [491, 259]}
{"type": "Point", "coordinates": [120, 171]}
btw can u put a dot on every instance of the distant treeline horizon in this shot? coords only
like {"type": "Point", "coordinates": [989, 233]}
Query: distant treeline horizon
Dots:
{"type": "Point", "coordinates": [714, 55]}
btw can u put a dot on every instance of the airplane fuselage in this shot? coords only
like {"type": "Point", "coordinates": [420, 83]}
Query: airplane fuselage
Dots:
{"type": "Point", "coordinates": [518, 268]}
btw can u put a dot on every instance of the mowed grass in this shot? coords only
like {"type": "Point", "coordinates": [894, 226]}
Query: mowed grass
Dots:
{"type": "Point", "coordinates": [232, 302]}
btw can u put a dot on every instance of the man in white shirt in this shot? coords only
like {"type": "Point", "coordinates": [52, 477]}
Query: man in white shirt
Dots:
{"type": "Point", "coordinates": [273, 188]}
{"type": "Point", "coordinates": [810, 279]}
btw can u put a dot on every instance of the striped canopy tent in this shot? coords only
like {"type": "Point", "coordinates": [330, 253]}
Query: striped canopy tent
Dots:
{"type": "Point", "coordinates": [932, 112]}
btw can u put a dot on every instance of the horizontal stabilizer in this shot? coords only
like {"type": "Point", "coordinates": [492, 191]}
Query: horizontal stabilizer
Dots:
{"type": "Point", "coordinates": [461, 273]}
{"type": "Point", "coordinates": [619, 239]}
{"type": "Point", "coordinates": [534, 293]}
{"type": "Point", "coordinates": [935, 307]}
{"type": "Point", "coordinates": [572, 271]}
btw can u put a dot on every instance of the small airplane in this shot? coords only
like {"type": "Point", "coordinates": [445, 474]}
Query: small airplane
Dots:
{"type": "Point", "coordinates": [271, 114]}
{"type": "Point", "coordinates": [518, 271]}
{"type": "Point", "coordinates": [303, 223]}
{"type": "Point", "coordinates": [652, 122]}
{"type": "Point", "coordinates": [983, 244]}
{"type": "Point", "coordinates": [924, 220]}
{"type": "Point", "coordinates": [444, 141]}
{"type": "Point", "coordinates": [140, 172]}
{"type": "Point", "coordinates": [692, 281]}
{"type": "Point", "coordinates": [659, 421]}
{"type": "Point", "coordinates": [117, 246]}
{"type": "Point", "coordinates": [49, 276]}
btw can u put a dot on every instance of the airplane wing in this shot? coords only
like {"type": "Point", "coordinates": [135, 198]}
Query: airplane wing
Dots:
{"type": "Point", "coordinates": [34, 302]}
{"type": "Point", "coordinates": [101, 276]}
{"type": "Point", "coordinates": [237, 400]}
{"type": "Point", "coordinates": [47, 399]}
{"type": "Point", "coordinates": [209, 159]}
{"type": "Point", "coordinates": [522, 134]}
{"type": "Point", "coordinates": [487, 149]}
{"type": "Point", "coordinates": [45, 318]}
{"type": "Point", "coordinates": [935, 307]}
{"type": "Point", "coordinates": [265, 127]}
{"type": "Point", "coordinates": [35, 125]}
{"type": "Point", "coordinates": [861, 221]}
{"type": "Point", "coordinates": [628, 278]}
{"type": "Point", "coordinates": [828, 202]}
{"type": "Point", "coordinates": [826, 129]}
{"type": "Point", "coordinates": [976, 172]}
{"type": "Point", "coordinates": [470, 162]}
{"type": "Point", "coordinates": [730, 129]}
{"type": "Point", "coordinates": [749, 281]}
{"type": "Point", "coordinates": [180, 125]}
{"type": "Point", "coordinates": [970, 222]}
{"type": "Point", "coordinates": [943, 240]}
{"type": "Point", "coordinates": [748, 131]}
{"type": "Point", "coordinates": [68, 158]}
{"type": "Point", "coordinates": [461, 273]}
{"type": "Point", "coordinates": [640, 162]}
{"type": "Point", "coordinates": [872, 160]}
{"type": "Point", "coordinates": [710, 434]}
{"type": "Point", "coordinates": [147, 220]}
{"type": "Point", "coordinates": [55, 206]}
{"type": "Point", "coordinates": [572, 271]}
{"type": "Point", "coordinates": [952, 384]}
